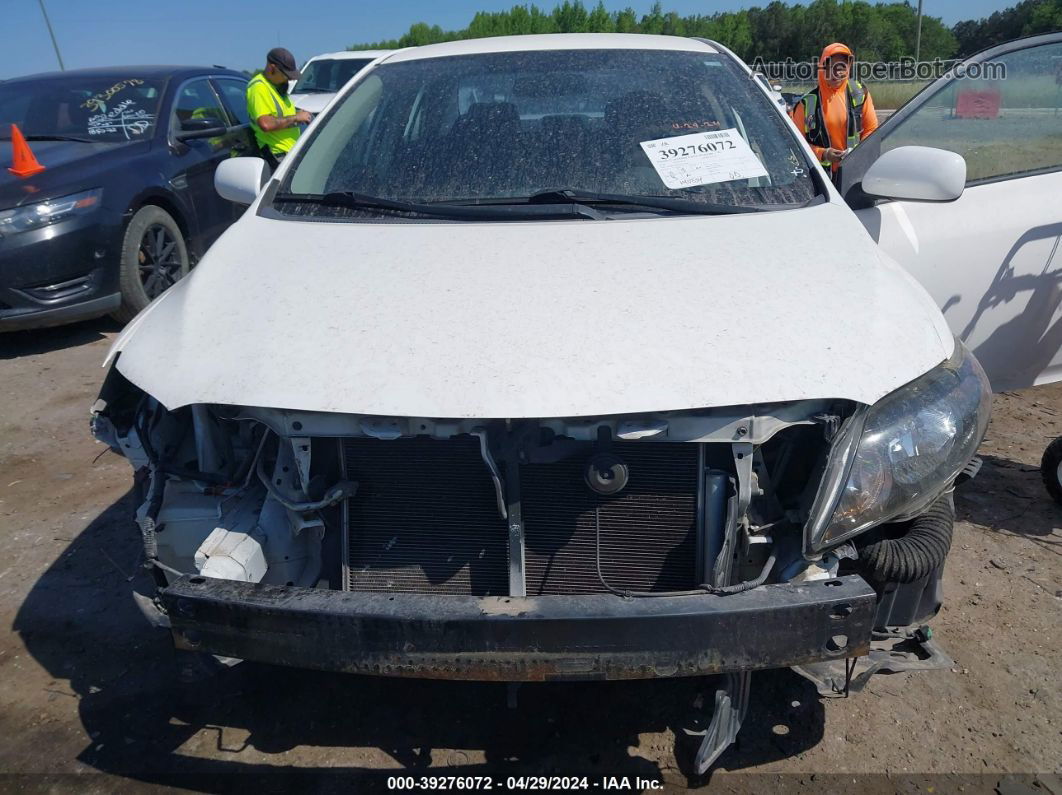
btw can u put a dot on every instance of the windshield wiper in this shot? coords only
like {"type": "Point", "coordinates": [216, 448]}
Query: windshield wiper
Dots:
{"type": "Point", "coordinates": [358, 201]}
{"type": "Point", "coordinates": [311, 90]}
{"type": "Point", "coordinates": [652, 202]}
{"type": "Point", "coordinates": [590, 199]}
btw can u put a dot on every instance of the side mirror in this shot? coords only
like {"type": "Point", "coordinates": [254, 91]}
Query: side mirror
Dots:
{"type": "Point", "coordinates": [917, 173]}
{"type": "Point", "coordinates": [240, 179]}
{"type": "Point", "coordinates": [207, 127]}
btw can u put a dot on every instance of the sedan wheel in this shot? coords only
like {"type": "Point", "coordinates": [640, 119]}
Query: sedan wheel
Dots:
{"type": "Point", "coordinates": [1051, 469]}
{"type": "Point", "coordinates": [154, 258]}
{"type": "Point", "coordinates": [160, 262]}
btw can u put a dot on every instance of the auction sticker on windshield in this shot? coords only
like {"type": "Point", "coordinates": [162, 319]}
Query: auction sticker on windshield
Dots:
{"type": "Point", "coordinates": [703, 158]}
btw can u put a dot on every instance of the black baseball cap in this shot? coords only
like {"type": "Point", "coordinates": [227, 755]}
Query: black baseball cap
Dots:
{"type": "Point", "coordinates": [284, 61]}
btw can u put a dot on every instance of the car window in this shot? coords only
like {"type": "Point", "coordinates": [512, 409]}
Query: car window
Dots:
{"type": "Point", "coordinates": [197, 100]}
{"type": "Point", "coordinates": [15, 106]}
{"type": "Point", "coordinates": [499, 125]}
{"type": "Point", "coordinates": [1005, 126]}
{"type": "Point", "coordinates": [328, 75]}
{"type": "Point", "coordinates": [234, 94]}
{"type": "Point", "coordinates": [106, 109]}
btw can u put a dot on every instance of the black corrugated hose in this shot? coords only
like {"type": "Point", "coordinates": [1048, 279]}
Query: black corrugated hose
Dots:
{"type": "Point", "coordinates": [918, 552]}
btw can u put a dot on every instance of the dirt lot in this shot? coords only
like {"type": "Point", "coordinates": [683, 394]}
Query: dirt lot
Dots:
{"type": "Point", "coordinates": [89, 701]}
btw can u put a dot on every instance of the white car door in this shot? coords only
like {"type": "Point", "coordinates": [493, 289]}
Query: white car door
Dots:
{"type": "Point", "coordinates": [990, 259]}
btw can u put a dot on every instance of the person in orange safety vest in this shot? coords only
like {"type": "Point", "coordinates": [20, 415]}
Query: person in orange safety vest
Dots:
{"type": "Point", "coordinates": [837, 114]}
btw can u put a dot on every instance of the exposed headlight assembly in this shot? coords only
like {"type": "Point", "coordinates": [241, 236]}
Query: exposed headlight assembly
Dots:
{"type": "Point", "coordinates": [897, 456]}
{"type": "Point", "coordinates": [34, 216]}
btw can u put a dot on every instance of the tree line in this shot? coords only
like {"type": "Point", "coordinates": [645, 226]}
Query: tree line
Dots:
{"type": "Point", "coordinates": [879, 32]}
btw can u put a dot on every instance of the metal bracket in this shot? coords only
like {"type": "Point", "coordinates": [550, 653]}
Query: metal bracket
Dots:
{"type": "Point", "coordinates": [312, 524]}
{"type": "Point", "coordinates": [750, 540]}
{"type": "Point", "coordinates": [731, 705]}
{"type": "Point", "coordinates": [517, 578]}
{"type": "Point", "coordinates": [300, 448]}
{"type": "Point", "coordinates": [495, 473]}
{"type": "Point", "coordinates": [831, 424]}
{"type": "Point", "coordinates": [732, 699]}
{"type": "Point", "coordinates": [513, 452]}
{"type": "Point", "coordinates": [743, 466]}
{"type": "Point", "coordinates": [737, 512]}
{"type": "Point", "coordinates": [890, 653]}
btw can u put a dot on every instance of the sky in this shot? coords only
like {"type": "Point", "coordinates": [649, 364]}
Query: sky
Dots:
{"type": "Point", "coordinates": [238, 33]}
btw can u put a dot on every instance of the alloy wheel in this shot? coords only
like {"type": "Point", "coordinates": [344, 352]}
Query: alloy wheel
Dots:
{"type": "Point", "coordinates": [160, 260]}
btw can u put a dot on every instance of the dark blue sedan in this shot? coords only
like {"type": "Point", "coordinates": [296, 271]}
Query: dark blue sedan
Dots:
{"type": "Point", "coordinates": [125, 204]}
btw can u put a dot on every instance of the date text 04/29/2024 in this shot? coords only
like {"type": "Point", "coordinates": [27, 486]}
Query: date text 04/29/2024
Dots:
{"type": "Point", "coordinates": [521, 783]}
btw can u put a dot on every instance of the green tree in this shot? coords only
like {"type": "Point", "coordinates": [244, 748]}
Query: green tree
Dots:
{"type": "Point", "coordinates": [627, 21]}
{"type": "Point", "coordinates": [1024, 19]}
{"type": "Point", "coordinates": [571, 17]}
{"type": "Point", "coordinates": [600, 21]}
{"type": "Point", "coordinates": [653, 22]}
{"type": "Point", "coordinates": [778, 30]}
{"type": "Point", "coordinates": [1045, 17]}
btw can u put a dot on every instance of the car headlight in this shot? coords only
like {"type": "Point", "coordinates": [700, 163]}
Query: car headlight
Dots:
{"type": "Point", "coordinates": [895, 458]}
{"type": "Point", "coordinates": [34, 216]}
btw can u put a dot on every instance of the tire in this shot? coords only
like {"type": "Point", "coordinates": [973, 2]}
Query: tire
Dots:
{"type": "Point", "coordinates": [1049, 469]}
{"type": "Point", "coordinates": [154, 258]}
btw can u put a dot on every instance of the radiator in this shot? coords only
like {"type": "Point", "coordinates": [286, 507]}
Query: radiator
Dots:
{"type": "Point", "coordinates": [425, 520]}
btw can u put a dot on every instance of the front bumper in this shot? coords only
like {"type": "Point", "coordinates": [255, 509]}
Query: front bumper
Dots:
{"type": "Point", "coordinates": [61, 273]}
{"type": "Point", "coordinates": [523, 639]}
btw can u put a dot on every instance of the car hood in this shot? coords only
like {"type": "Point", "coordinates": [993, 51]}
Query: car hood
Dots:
{"type": "Point", "coordinates": [68, 166]}
{"type": "Point", "coordinates": [313, 102]}
{"type": "Point", "coordinates": [537, 319]}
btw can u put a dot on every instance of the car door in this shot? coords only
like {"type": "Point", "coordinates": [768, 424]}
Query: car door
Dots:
{"type": "Point", "coordinates": [196, 99]}
{"type": "Point", "coordinates": [990, 259]}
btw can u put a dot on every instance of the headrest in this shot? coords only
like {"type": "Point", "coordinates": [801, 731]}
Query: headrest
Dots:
{"type": "Point", "coordinates": [491, 113]}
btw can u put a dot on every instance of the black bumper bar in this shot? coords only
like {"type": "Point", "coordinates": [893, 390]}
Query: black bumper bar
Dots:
{"type": "Point", "coordinates": [523, 639]}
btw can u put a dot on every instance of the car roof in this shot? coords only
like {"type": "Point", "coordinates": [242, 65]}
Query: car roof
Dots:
{"type": "Point", "coordinates": [554, 41]}
{"type": "Point", "coordinates": [125, 72]}
{"type": "Point", "coordinates": [344, 54]}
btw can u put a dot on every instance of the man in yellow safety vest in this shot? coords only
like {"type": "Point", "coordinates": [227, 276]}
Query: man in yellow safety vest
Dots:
{"type": "Point", "coordinates": [274, 118]}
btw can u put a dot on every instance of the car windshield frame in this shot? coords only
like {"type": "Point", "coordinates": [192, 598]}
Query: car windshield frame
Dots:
{"type": "Point", "coordinates": [753, 115]}
{"type": "Point", "coordinates": [88, 108]}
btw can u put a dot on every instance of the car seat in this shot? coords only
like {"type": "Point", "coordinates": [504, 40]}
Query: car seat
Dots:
{"type": "Point", "coordinates": [486, 140]}
{"type": "Point", "coordinates": [630, 119]}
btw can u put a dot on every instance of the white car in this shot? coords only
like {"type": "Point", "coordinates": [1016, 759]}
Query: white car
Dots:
{"type": "Point", "coordinates": [559, 357]}
{"type": "Point", "coordinates": [324, 76]}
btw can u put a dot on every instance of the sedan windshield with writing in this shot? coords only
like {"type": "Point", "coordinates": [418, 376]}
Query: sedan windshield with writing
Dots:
{"type": "Point", "coordinates": [104, 109]}
{"type": "Point", "coordinates": [512, 125]}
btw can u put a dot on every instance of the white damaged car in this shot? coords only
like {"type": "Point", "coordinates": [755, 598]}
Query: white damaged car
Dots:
{"type": "Point", "coordinates": [546, 358]}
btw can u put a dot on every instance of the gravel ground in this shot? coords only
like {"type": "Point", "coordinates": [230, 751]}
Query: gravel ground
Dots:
{"type": "Point", "coordinates": [89, 701]}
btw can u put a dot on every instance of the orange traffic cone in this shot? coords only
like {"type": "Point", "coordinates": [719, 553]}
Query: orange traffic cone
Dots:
{"type": "Point", "coordinates": [25, 164]}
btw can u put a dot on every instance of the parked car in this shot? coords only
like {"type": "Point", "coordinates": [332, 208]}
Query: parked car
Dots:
{"type": "Point", "coordinates": [504, 375]}
{"type": "Point", "coordinates": [790, 98]}
{"type": "Point", "coordinates": [125, 204]}
{"type": "Point", "coordinates": [774, 90]}
{"type": "Point", "coordinates": [325, 75]}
